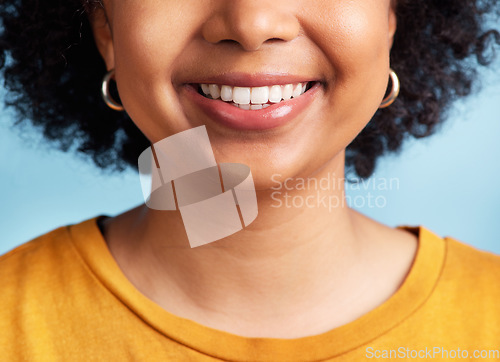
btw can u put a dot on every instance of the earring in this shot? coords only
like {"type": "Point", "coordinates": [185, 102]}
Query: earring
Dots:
{"type": "Point", "coordinates": [106, 96]}
{"type": "Point", "coordinates": [391, 97]}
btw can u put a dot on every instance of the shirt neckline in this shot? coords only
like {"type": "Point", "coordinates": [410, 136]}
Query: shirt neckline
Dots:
{"type": "Point", "coordinates": [413, 292]}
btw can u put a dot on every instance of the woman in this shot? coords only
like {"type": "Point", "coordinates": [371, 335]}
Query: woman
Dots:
{"type": "Point", "coordinates": [297, 283]}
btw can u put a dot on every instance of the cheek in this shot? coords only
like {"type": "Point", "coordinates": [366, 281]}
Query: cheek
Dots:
{"type": "Point", "coordinates": [354, 35]}
{"type": "Point", "coordinates": [149, 31]}
{"type": "Point", "coordinates": [149, 37]}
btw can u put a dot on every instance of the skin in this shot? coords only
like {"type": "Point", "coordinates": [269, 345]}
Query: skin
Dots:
{"type": "Point", "coordinates": [293, 272]}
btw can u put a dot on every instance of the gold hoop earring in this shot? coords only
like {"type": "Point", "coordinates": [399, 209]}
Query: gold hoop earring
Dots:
{"type": "Point", "coordinates": [106, 95]}
{"type": "Point", "coordinates": [391, 97]}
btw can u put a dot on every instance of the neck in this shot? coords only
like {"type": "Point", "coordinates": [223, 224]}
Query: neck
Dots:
{"type": "Point", "coordinates": [301, 249]}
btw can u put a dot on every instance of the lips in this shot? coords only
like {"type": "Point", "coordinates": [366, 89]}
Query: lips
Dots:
{"type": "Point", "coordinates": [252, 102]}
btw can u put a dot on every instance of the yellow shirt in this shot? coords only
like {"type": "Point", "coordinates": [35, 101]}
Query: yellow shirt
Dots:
{"type": "Point", "coordinates": [64, 298]}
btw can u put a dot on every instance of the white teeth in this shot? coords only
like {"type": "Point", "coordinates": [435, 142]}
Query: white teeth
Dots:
{"type": "Point", "coordinates": [296, 92]}
{"type": "Point", "coordinates": [226, 93]}
{"type": "Point", "coordinates": [275, 94]}
{"type": "Point", "coordinates": [241, 95]}
{"type": "Point", "coordinates": [253, 97]}
{"type": "Point", "coordinates": [214, 91]}
{"type": "Point", "coordinates": [205, 88]}
{"type": "Point", "coordinates": [260, 95]}
{"type": "Point", "coordinates": [287, 91]}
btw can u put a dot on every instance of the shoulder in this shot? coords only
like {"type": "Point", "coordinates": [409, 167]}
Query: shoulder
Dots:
{"type": "Point", "coordinates": [457, 259]}
{"type": "Point", "coordinates": [40, 267]}
{"type": "Point", "coordinates": [47, 294]}
{"type": "Point", "coordinates": [467, 293]}
{"type": "Point", "coordinates": [34, 256]}
{"type": "Point", "coordinates": [468, 262]}
{"type": "Point", "coordinates": [33, 272]}
{"type": "Point", "coordinates": [51, 246]}
{"type": "Point", "coordinates": [470, 278]}
{"type": "Point", "coordinates": [473, 274]}
{"type": "Point", "coordinates": [29, 277]}
{"type": "Point", "coordinates": [459, 271]}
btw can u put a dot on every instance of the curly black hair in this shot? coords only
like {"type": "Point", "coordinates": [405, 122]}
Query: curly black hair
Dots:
{"type": "Point", "coordinates": [53, 73]}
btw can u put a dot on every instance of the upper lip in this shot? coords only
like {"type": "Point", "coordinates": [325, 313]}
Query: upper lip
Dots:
{"type": "Point", "coordinates": [237, 79]}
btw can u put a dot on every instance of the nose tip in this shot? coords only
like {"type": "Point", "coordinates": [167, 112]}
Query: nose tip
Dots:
{"type": "Point", "coordinates": [251, 24]}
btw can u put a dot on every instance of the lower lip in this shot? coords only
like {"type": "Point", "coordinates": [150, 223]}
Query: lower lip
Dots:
{"type": "Point", "coordinates": [273, 116]}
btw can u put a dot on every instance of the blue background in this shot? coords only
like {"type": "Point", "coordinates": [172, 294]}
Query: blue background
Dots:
{"type": "Point", "coordinates": [448, 182]}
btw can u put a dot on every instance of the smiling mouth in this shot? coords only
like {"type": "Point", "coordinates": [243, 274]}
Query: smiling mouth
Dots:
{"type": "Point", "coordinates": [253, 98]}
